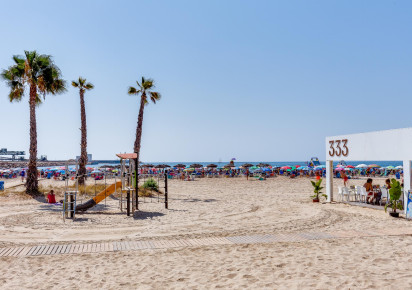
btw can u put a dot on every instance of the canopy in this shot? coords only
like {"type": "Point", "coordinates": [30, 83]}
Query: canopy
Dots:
{"type": "Point", "coordinates": [373, 166]}
{"type": "Point", "coordinates": [127, 155]}
{"type": "Point", "coordinates": [196, 165]}
{"type": "Point", "coordinates": [362, 166]}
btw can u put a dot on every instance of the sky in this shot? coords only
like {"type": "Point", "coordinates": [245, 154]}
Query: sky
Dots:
{"type": "Point", "coordinates": [251, 80]}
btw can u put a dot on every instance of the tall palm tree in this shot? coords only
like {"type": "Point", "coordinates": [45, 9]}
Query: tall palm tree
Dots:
{"type": "Point", "coordinates": [39, 73]}
{"type": "Point", "coordinates": [144, 89]}
{"type": "Point", "coordinates": [83, 86]}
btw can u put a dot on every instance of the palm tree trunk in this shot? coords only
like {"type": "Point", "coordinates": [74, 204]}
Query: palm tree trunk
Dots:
{"type": "Point", "coordinates": [139, 128]}
{"type": "Point", "coordinates": [32, 187]}
{"type": "Point", "coordinates": [83, 143]}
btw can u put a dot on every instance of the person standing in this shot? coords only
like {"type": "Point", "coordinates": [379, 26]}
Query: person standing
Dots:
{"type": "Point", "coordinates": [345, 178]}
{"type": "Point", "coordinates": [22, 174]}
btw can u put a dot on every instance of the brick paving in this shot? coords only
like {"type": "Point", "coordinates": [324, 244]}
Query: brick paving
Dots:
{"type": "Point", "coordinates": [64, 249]}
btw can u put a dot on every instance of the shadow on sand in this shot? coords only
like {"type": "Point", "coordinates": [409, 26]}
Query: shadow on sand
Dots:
{"type": "Point", "coordinates": [142, 215]}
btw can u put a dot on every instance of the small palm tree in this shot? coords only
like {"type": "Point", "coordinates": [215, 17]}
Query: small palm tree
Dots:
{"type": "Point", "coordinates": [83, 85]}
{"type": "Point", "coordinates": [39, 73]}
{"type": "Point", "coordinates": [144, 89]}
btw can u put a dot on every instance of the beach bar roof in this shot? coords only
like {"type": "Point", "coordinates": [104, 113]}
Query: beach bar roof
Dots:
{"type": "Point", "coordinates": [371, 146]}
{"type": "Point", "coordinates": [127, 155]}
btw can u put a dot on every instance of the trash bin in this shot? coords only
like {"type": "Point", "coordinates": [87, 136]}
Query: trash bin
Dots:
{"type": "Point", "coordinates": [1, 185]}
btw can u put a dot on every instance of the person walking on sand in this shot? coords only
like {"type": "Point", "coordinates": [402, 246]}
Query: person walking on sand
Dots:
{"type": "Point", "coordinates": [345, 178]}
{"type": "Point", "coordinates": [22, 174]}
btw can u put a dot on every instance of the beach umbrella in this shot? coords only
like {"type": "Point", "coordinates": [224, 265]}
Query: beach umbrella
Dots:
{"type": "Point", "coordinates": [161, 166]}
{"type": "Point", "coordinates": [285, 167]}
{"type": "Point", "coordinates": [350, 166]}
{"type": "Point", "coordinates": [211, 165]}
{"type": "Point", "coordinates": [373, 166]}
{"type": "Point", "coordinates": [362, 166]}
{"type": "Point", "coordinates": [339, 168]}
{"type": "Point", "coordinates": [189, 169]}
{"type": "Point", "coordinates": [147, 165]}
{"type": "Point", "coordinates": [247, 165]}
{"type": "Point", "coordinates": [390, 167]}
{"type": "Point", "coordinates": [340, 165]}
{"type": "Point", "coordinates": [399, 167]}
{"type": "Point", "coordinates": [180, 166]}
{"type": "Point", "coordinates": [320, 167]}
{"type": "Point", "coordinates": [196, 165]}
{"type": "Point", "coordinates": [303, 168]}
{"type": "Point", "coordinates": [96, 171]}
{"type": "Point", "coordinates": [263, 165]}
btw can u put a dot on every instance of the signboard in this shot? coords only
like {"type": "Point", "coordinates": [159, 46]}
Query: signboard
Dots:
{"type": "Point", "coordinates": [385, 145]}
{"type": "Point", "coordinates": [409, 205]}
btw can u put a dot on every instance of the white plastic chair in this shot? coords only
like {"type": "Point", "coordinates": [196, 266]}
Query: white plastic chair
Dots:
{"type": "Point", "coordinates": [385, 194]}
{"type": "Point", "coordinates": [340, 193]}
{"type": "Point", "coordinates": [363, 194]}
{"type": "Point", "coordinates": [358, 193]}
{"type": "Point", "coordinates": [345, 192]}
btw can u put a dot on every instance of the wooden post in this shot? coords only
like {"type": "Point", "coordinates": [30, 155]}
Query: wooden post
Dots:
{"type": "Point", "coordinates": [166, 201]}
{"type": "Point", "coordinates": [128, 202]}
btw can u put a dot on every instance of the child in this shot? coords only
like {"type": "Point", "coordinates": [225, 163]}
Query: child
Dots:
{"type": "Point", "coordinates": [51, 198]}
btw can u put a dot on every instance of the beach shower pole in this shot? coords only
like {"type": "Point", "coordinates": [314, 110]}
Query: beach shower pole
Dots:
{"type": "Point", "coordinates": [166, 201]}
{"type": "Point", "coordinates": [136, 168]}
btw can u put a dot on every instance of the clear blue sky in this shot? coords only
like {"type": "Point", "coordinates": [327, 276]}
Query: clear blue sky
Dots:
{"type": "Point", "coordinates": [255, 80]}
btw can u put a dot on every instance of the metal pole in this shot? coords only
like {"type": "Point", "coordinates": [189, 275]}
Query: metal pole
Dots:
{"type": "Point", "coordinates": [166, 201]}
{"type": "Point", "coordinates": [71, 207]}
{"type": "Point", "coordinates": [128, 203]}
{"type": "Point", "coordinates": [136, 168]}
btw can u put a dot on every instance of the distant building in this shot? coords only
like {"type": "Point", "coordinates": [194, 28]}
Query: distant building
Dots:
{"type": "Point", "coordinates": [89, 157]}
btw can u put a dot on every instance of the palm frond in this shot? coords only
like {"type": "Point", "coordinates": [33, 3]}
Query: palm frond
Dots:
{"type": "Point", "coordinates": [133, 91]}
{"type": "Point", "coordinates": [148, 84]}
{"type": "Point", "coordinates": [89, 86]}
{"type": "Point", "coordinates": [155, 96]}
{"type": "Point", "coordinates": [75, 84]}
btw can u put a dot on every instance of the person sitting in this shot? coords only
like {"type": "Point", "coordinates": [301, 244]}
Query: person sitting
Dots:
{"type": "Point", "coordinates": [388, 184]}
{"type": "Point", "coordinates": [51, 198]}
{"type": "Point", "coordinates": [369, 190]}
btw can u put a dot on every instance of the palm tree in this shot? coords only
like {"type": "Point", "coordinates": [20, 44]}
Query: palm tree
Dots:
{"type": "Point", "coordinates": [144, 89]}
{"type": "Point", "coordinates": [42, 76]}
{"type": "Point", "coordinates": [83, 86]}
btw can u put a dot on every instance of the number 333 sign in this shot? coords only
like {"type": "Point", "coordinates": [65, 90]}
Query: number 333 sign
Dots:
{"type": "Point", "coordinates": [338, 148]}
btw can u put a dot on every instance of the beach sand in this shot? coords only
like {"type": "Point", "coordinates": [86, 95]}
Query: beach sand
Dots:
{"type": "Point", "coordinates": [218, 207]}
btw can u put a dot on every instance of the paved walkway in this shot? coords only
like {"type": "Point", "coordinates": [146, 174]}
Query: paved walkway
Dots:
{"type": "Point", "coordinates": [100, 247]}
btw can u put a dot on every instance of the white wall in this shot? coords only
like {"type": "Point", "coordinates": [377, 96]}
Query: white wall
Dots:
{"type": "Point", "coordinates": [385, 145]}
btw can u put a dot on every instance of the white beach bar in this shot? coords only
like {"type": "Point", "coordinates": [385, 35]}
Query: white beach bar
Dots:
{"type": "Point", "coordinates": [387, 145]}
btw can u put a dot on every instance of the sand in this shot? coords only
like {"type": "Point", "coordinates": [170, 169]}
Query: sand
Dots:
{"type": "Point", "coordinates": [217, 207]}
